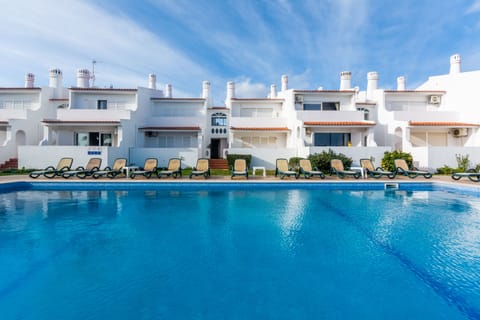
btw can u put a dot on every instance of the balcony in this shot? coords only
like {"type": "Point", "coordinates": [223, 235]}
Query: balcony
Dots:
{"type": "Point", "coordinates": [175, 122]}
{"type": "Point", "coordinates": [333, 116]}
{"type": "Point", "coordinates": [250, 122]}
{"type": "Point", "coordinates": [430, 116]}
{"type": "Point", "coordinates": [92, 114]}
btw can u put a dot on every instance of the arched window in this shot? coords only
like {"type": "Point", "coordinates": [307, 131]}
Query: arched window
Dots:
{"type": "Point", "coordinates": [219, 120]}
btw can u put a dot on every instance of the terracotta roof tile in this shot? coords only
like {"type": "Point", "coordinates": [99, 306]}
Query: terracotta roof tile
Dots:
{"type": "Point", "coordinates": [156, 128]}
{"type": "Point", "coordinates": [339, 123]}
{"type": "Point", "coordinates": [103, 89]}
{"type": "Point", "coordinates": [56, 121]}
{"type": "Point", "coordinates": [442, 124]}
{"type": "Point", "coordinates": [260, 128]}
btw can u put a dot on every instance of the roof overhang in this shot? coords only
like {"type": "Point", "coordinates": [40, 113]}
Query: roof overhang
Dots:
{"type": "Point", "coordinates": [443, 124]}
{"type": "Point", "coordinates": [171, 129]}
{"type": "Point", "coordinates": [257, 129]}
{"type": "Point", "coordinates": [3, 123]}
{"type": "Point", "coordinates": [350, 124]}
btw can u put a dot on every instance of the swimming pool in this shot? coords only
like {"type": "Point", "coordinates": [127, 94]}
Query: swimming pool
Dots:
{"type": "Point", "coordinates": [220, 251]}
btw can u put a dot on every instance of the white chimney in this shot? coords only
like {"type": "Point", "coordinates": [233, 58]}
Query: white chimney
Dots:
{"type": "Point", "coordinates": [401, 84]}
{"type": "Point", "coordinates": [152, 81]}
{"type": "Point", "coordinates": [29, 80]}
{"type": "Point", "coordinates": [284, 83]}
{"type": "Point", "coordinates": [273, 91]}
{"type": "Point", "coordinates": [206, 93]}
{"type": "Point", "coordinates": [83, 78]}
{"type": "Point", "coordinates": [55, 78]}
{"type": "Point", "coordinates": [372, 84]}
{"type": "Point", "coordinates": [168, 90]}
{"type": "Point", "coordinates": [455, 62]}
{"type": "Point", "coordinates": [345, 80]}
{"type": "Point", "coordinates": [230, 90]}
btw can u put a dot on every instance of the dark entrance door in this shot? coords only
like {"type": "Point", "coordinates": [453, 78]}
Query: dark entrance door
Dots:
{"type": "Point", "coordinates": [215, 149]}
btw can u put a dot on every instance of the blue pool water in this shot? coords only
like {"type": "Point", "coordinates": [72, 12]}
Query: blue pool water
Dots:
{"type": "Point", "coordinates": [245, 253]}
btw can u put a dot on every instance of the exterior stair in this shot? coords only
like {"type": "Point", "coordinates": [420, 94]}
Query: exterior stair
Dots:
{"type": "Point", "coordinates": [9, 164]}
{"type": "Point", "coordinates": [219, 164]}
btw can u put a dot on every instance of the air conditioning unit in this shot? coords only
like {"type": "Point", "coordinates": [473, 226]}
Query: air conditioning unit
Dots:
{"type": "Point", "coordinates": [460, 132]}
{"type": "Point", "coordinates": [434, 99]}
{"type": "Point", "coordinates": [298, 99]}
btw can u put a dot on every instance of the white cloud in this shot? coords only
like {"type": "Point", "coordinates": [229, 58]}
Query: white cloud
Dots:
{"type": "Point", "coordinates": [69, 34]}
{"type": "Point", "coordinates": [244, 88]}
{"type": "Point", "coordinates": [475, 7]}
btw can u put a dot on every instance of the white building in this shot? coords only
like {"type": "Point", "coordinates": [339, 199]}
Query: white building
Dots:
{"type": "Point", "coordinates": [434, 122]}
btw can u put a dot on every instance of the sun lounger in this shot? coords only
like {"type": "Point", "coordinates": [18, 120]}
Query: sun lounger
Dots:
{"type": "Point", "coordinates": [240, 168]}
{"type": "Point", "coordinates": [201, 169]}
{"type": "Point", "coordinates": [63, 165]}
{"type": "Point", "coordinates": [373, 172]}
{"type": "Point", "coordinates": [307, 171]}
{"type": "Point", "coordinates": [283, 170]}
{"type": "Point", "coordinates": [471, 174]}
{"type": "Point", "coordinates": [174, 169]}
{"type": "Point", "coordinates": [83, 172]}
{"type": "Point", "coordinates": [336, 167]}
{"type": "Point", "coordinates": [149, 168]}
{"type": "Point", "coordinates": [401, 167]}
{"type": "Point", "coordinates": [117, 168]}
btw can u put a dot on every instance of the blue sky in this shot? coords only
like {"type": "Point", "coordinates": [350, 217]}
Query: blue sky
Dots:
{"type": "Point", "coordinates": [250, 42]}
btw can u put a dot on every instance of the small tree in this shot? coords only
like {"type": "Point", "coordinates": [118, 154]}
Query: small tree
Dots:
{"type": "Point", "coordinates": [294, 162]}
{"type": "Point", "coordinates": [322, 160]}
{"type": "Point", "coordinates": [463, 163]}
{"type": "Point", "coordinates": [389, 157]}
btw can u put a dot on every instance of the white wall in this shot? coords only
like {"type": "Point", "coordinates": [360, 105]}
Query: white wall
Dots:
{"type": "Point", "coordinates": [39, 157]}
{"type": "Point", "coordinates": [356, 153]}
{"type": "Point", "coordinates": [189, 156]}
{"type": "Point", "coordinates": [263, 156]}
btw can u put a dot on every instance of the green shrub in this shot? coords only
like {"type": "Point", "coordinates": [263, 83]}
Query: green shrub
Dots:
{"type": "Point", "coordinates": [322, 160]}
{"type": "Point", "coordinates": [463, 163]}
{"type": "Point", "coordinates": [232, 157]}
{"type": "Point", "coordinates": [389, 157]}
{"type": "Point", "coordinates": [445, 170]}
{"type": "Point", "coordinates": [294, 162]}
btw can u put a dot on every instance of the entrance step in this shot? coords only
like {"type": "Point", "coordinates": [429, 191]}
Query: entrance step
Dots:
{"type": "Point", "coordinates": [219, 164]}
{"type": "Point", "coordinates": [9, 164]}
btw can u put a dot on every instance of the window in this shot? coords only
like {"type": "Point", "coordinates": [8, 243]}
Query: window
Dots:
{"type": "Point", "coordinates": [366, 113]}
{"type": "Point", "coordinates": [92, 139]}
{"type": "Point", "coordinates": [102, 104]}
{"type": "Point", "coordinates": [219, 119]}
{"type": "Point", "coordinates": [331, 139]}
{"type": "Point", "coordinates": [312, 106]}
{"type": "Point", "coordinates": [324, 106]}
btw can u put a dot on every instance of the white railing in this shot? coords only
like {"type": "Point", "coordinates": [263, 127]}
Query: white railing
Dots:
{"type": "Point", "coordinates": [429, 116]}
{"type": "Point", "coordinates": [92, 115]}
{"type": "Point", "coordinates": [257, 122]}
{"type": "Point", "coordinates": [17, 104]}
